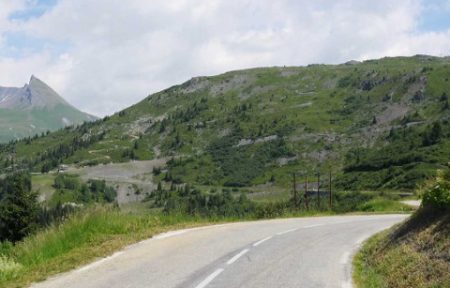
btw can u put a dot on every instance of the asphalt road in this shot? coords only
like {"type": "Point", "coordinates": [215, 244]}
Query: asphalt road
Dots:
{"type": "Point", "coordinates": [412, 203]}
{"type": "Point", "coordinates": [296, 252]}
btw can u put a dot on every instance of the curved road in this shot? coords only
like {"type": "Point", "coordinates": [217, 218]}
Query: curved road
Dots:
{"type": "Point", "coordinates": [295, 252]}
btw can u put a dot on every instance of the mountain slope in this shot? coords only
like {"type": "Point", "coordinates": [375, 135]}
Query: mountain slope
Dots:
{"type": "Point", "coordinates": [370, 123]}
{"type": "Point", "coordinates": [34, 108]}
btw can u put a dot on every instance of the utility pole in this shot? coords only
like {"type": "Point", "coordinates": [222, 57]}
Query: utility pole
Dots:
{"type": "Point", "coordinates": [295, 190]}
{"type": "Point", "coordinates": [331, 196]}
{"type": "Point", "coordinates": [318, 190]}
{"type": "Point", "coordinates": [306, 193]}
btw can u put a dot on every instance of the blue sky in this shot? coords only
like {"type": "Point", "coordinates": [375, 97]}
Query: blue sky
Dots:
{"type": "Point", "coordinates": [18, 44]}
{"type": "Point", "coordinates": [126, 50]}
{"type": "Point", "coordinates": [435, 16]}
{"type": "Point", "coordinates": [33, 9]}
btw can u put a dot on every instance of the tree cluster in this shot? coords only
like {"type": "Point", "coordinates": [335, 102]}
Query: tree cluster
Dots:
{"type": "Point", "coordinates": [19, 209]}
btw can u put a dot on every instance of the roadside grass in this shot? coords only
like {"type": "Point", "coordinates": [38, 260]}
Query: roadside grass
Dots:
{"type": "Point", "coordinates": [8, 268]}
{"type": "Point", "coordinates": [380, 204]}
{"type": "Point", "coordinates": [413, 254]}
{"type": "Point", "coordinates": [364, 276]}
{"type": "Point", "coordinates": [91, 234]}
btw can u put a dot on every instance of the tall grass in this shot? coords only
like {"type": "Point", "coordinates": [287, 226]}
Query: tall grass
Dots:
{"type": "Point", "coordinates": [96, 232]}
{"type": "Point", "coordinates": [9, 269]}
{"type": "Point", "coordinates": [380, 204]}
{"type": "Point", "coordinates": [416, 253]}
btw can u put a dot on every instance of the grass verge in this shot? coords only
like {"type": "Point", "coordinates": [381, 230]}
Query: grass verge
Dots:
{"type": "Point", "coordinates": [381, 204]}
{"type": "Point", "coordinates": [414, 254]}
{"type": "Point", "coordinates": [95, 233]}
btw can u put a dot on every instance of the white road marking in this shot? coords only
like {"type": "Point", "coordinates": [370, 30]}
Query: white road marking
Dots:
{"type": "Point", "coordinates": [347, 284]}
{"type": "Point", "coordinates": [157, 237]}
{"type": "Point", "coordinates": [361, 240]}
{"type": "Point", "coordinates": [210, 278]}
{"type": "Point", "coordinates": [315, 225]}
{"type": "Point", "coordinates": [287, 231]}
{"type": "Point", "coordinates": [262, 241]}
{"type": "Point", "coordinates": [344, 258]}
{"type": "Point", "coordinates": [97, 263]}
{"type": "Point", "coordinates": [170, 234]}
{"type": "Point", "coordinates": [413, 203]}
{"type": "Point", "coordinates": [180, 232]}
{"type": "Point", "coordinates": [237, 256]}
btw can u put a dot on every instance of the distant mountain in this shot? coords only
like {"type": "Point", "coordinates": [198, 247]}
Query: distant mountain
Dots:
{"type": "Point", "coordinates": [35, 108]}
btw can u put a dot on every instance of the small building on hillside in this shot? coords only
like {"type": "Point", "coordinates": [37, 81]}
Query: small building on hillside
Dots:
{"type": "Point", "coordinates": [63, 168]}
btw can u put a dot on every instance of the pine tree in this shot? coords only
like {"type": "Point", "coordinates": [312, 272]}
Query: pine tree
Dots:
{"type": "Point", "coordinates": [433, 136]}
{"type": "Point", "coordinates": [18, 207]}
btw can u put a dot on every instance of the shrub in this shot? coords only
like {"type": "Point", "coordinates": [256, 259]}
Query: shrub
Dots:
{"type": "Point", "coordinates": [436, 192]}
{"type": "Point", "coordinates": [189, 200]}
{"type": "Point", "coordinates": [65, 181]}
{"type": "Point", "coordinates": [156, 171]}
{"type": "Point", "coordinates": [71, 189]}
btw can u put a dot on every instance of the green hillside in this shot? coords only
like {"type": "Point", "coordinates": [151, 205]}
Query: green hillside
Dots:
{"type": "Point", "coordinates": [16, 124]}
{"type": "Point", "coordinates": [376, 124]}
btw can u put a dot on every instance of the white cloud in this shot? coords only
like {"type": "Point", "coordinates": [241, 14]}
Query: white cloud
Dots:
{"type": "Point", "coordinates": [118, 53]}
{"type": "Point", "coordinates": [6, 8]}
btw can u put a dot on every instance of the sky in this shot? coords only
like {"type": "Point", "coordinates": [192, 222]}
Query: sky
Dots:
{"type": "Point", "coordinates": [105, 55]}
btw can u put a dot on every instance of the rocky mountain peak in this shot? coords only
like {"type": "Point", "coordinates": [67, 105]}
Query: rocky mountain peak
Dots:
{"type": "Point", "coordinates": [34, 94]}
{"type": "Point", "coordinates": [35, 108]}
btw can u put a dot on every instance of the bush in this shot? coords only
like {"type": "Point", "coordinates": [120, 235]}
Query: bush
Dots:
{"type": "Point", "coordinates": [65, 181]}
{"type": "Point", "coordinates": [350, 201]}
{"type": "Point", "coordinates": [71, 189]}
{"type": "Point", "coordinates": [436, 192]}
{"type": "Point", "coordinates": [240, 165]}
{"type": "Point", "coordinates": [156, 171]}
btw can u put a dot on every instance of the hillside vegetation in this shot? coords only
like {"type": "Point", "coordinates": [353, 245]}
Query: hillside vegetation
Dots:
{"type": "Point", "coordinates": [379, 124]}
